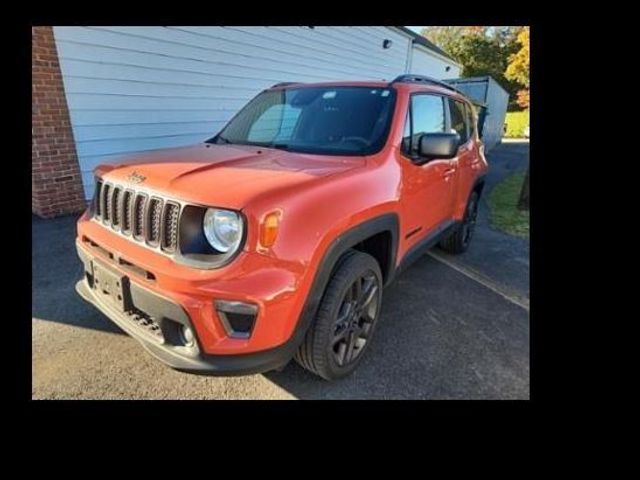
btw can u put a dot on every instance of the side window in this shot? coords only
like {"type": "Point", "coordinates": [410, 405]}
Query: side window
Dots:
{"type": "Point", "coordinates": [471, 124]}
{"type": "Point", "coordinates": [459, 120]}
{"type": "Point", "coordinates": [426, 116]}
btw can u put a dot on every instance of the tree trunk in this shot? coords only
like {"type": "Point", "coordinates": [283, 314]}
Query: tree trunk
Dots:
{"type": "Point", "coordinates": [523, 203]}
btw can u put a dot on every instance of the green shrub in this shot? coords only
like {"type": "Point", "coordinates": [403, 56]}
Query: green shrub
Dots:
{"type": "Point", "coordinates": [516, 123]}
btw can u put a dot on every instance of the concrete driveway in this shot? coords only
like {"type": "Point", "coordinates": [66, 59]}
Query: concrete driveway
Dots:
{"type": "Point", "coordinates": [451, 328]}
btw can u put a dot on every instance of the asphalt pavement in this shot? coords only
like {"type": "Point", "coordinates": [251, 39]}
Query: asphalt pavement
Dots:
{"type": "Point", "coordinates": [451, 328]}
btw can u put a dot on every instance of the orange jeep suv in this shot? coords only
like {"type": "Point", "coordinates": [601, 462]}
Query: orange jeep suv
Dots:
{"type": "Point", "coordinates": [274, 239]}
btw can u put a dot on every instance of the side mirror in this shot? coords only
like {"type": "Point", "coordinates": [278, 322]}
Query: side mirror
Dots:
{"type": "Point", "coordinates": [438, 145]}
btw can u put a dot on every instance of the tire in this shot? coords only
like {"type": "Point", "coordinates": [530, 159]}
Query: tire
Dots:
{"type": "Point", "coordinates": [458, 241]}
{"type": "Point", "coordinates": [344, 324]}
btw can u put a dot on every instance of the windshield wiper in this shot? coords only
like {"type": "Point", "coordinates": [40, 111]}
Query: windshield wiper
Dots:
{"type": "Point", "coordinates": [219, 139]}
{"type": "Point", "coordinates": [279, 146]}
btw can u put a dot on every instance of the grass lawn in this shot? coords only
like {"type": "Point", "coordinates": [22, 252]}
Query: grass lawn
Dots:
{"type": "Point", "coordinates": [503, 202]}
{"type": "Point", "coordinates": [516, 123]}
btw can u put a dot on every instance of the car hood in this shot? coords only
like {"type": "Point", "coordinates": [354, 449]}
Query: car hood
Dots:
{"type": "Point", "coordinates": [222, 175]}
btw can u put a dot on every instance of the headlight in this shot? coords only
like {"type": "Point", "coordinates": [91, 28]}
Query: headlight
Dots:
{"type": "Point", "coordinates": [223, 229]}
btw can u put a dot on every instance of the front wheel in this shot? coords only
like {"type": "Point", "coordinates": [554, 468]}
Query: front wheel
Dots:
{"type": "Point", "coordinates": [458, 241]}
{"type": "Point", "coordinates": [342, 330]}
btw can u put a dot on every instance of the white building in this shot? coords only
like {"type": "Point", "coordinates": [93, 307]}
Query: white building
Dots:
{"type": "Point", "coordinates": [131, 89]}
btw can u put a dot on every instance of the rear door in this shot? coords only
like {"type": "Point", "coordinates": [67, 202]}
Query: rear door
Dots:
{"type": "Point", "coordinates": [461, 121]}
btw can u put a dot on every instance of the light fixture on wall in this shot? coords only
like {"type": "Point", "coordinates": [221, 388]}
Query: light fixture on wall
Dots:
{"type": "Point", "coordinates": [386, 43]}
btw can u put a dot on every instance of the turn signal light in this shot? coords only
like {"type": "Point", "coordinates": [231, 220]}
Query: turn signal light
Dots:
{"type": "Point", "coordinates": [269, 229]}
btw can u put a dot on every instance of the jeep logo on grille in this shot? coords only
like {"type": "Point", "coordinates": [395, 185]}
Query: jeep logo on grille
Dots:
{"type": "Point", "coordinates": [136, 177]}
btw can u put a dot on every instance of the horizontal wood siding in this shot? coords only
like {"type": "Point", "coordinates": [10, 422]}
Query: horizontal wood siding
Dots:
{"type": "Point", "coordinates": [425, 63]}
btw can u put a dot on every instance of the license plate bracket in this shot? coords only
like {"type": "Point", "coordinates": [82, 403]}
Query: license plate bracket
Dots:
{"type": "Point", "coordinates": [111, 286]}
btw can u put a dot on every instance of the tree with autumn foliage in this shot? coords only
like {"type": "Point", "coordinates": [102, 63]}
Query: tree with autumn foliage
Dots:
{"type": "Point", "coordinates": [518, 69]}
{"type": "Point", "coordinates": [481, 51]}
{"type": "Point", "coordinates": [500, 52]}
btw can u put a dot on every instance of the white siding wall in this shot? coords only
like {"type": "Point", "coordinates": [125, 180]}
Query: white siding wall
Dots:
{"type": "Point", "coordinates": [132, 89]}
{"type": "Point", "coordinates": [425, 63]}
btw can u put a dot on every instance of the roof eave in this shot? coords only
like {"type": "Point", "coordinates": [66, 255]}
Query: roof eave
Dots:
{"type": "Point", "coordinates": [419, 40]}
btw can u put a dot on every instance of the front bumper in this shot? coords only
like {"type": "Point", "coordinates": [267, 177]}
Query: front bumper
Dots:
{"type": "Point", "coordinates": [182, 358]}
{"type": "Point", "coordinates": [167, 315]}
{"type": "Point", "coordinates": [278, 288]}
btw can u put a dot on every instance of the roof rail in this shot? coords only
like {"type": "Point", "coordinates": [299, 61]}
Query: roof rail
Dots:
{"type": "Point", "coordinates": [284, 84]}
{"type": "Point", "coordinates": [411, 78]}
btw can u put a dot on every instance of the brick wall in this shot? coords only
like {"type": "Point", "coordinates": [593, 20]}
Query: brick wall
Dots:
{"type": "Point", "coordinates": [56, 186]}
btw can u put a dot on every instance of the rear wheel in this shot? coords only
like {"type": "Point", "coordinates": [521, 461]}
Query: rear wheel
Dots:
{"type": "Point", "coordinates": [458, 241]}
{"type": "Point", "coordinates": [342, 330]}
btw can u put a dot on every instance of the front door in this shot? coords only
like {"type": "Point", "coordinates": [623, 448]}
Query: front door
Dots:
{"type": "Point", "coordinates": [426, 187]}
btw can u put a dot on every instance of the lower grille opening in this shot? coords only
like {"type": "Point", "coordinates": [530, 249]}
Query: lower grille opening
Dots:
{"type": "Point", "coordinates": [131, 267]}
{"type": "Point", "coordinates": [137, 270]}
{"type": "Point", "coordinates": [145, 321]}
{"type": "Point", "coordinates": [95, 246]}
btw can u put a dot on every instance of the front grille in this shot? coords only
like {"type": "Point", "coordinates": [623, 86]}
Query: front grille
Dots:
{"type": "Point", "coordinates": [106, 203]}
{"type": "Point", "coordinates": [155, 214]}
{"type": "Point", "coordinates": [98, 198]}
{"type": "Point", "coordinates": [115, 207]}
{"type": "Point", "coordinates": [153, 221]}
{"type": "Point", "coordinates": [138, 216]}
{"type": "Point", "coordinates": [170, 226]}
{"type": "Point", "coordinates": [126, 211]}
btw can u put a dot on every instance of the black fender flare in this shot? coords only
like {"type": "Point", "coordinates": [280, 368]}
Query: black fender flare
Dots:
{"type": "Point", "coordinates": [387, 222]}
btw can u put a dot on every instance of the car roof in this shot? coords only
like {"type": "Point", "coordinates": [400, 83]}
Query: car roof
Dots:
{"type": "Point", "coordinates": [412, 87]}
{"type": "Point", "coordinates": [348, 83]}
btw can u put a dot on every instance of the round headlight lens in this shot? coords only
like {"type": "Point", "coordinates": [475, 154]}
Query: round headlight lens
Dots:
{"type": "Point", "coordinates": [223, 229]}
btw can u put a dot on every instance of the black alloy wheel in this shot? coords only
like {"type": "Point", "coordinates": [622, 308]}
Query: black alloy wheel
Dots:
{"type": "Point", "coordinates": [344, 324]}
{"type": "Point", "coordinates": [458, 240]}
{"type": "Point", "coordinates": [357, 313]}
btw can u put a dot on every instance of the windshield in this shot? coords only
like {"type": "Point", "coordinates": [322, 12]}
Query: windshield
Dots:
{"type": "Point", "coordinates": [322, 120]}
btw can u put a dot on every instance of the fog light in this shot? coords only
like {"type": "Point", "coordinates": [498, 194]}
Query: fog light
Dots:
{"type": "Point", "coordinates": [186, 336]}
{"type": "Point", "coordinates": [238, 318]}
